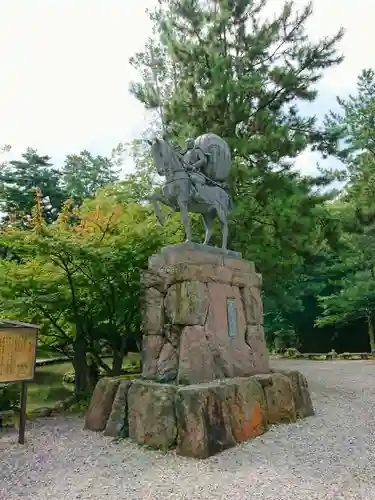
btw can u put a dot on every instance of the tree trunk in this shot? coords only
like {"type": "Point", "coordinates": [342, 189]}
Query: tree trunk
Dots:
{"type": "Point", "coordinates": [93, 373]}
{"type": "Point", "coordinates": [371, 333]}
{"type": "Point", "coordinates": [138, 341]}
{"type": "Point", "coordinates": [80, 365]}
{"type": "Point", "coordinates": [118, 357]}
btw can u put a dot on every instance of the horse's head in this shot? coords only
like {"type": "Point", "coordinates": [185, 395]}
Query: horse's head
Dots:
{"type": "Point", "coordinates": [166, 158]}
{"type": "Point", "coordinates": [157, 149]}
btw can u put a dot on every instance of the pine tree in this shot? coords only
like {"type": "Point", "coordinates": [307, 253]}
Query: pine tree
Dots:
{"type": "Point", "coordinates": [354, 126]}
{"type": "Point", "coordinates": [19, 180]}
{"type": "Point", "coordinates": [353, 294]}
{"type": "Point", "coordinates": [218, 66]}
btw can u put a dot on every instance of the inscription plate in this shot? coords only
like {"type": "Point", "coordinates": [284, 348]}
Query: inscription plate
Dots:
{"type": "Point", "coordinates": [232, 317]}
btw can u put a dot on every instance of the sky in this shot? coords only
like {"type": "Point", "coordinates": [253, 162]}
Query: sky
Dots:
{"type": "Point", "coordinates": [65, 72]}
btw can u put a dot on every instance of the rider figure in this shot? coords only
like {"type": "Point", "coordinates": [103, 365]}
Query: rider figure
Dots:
{"type": "Point", "coordinates": [195, 161]}
{"type": "Point", "coordinates": [194, 156]}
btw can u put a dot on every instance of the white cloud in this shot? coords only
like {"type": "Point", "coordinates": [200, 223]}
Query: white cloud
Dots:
{"type": "Point", "coordinates": [65, 71]}
{"type": "Point", "coordinates": [358, 21]}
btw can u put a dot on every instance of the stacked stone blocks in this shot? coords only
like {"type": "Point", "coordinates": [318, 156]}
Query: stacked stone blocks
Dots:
{"type": "Point", "coordinates": [186, 337]}
{"type": "Point", "coordinates": [206, 383]}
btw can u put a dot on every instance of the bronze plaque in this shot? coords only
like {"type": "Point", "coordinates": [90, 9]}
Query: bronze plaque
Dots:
{"type": "Point", "coordinates": [232, 317]}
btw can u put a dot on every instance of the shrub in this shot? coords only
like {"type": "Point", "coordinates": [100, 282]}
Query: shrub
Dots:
{"type": "Point", "coordinates": [81, 405]}
{"type": "Point", "coordinates": [9, 397]}
{"type": "Point", "coordinates": [345, 355]}
{"type": "Point", "coordinates": [291, 352]}
{"type": "Point", "coordinates": [69, 378]}
{"type": "Point", "coordinates": [133, 368]}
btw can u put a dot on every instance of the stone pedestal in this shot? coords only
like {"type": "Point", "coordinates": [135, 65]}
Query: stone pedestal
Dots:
{"type": "Point", "coordinates": [203, 317]}
{"type": "Point", "coordinates": [198, 420]}
{"type": "Point", "coordinates": [206, 382]}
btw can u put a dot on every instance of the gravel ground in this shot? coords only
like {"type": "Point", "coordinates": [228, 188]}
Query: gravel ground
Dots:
{"type": "Point", "coordinates": [329, 456]}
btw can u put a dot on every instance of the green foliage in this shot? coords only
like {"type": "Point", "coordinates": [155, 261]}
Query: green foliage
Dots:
{"type": "Point", "coordinates": [84, 174]}
{"type": "Point", "coordinates": [352, 294]}
{"type": "Point", "coordinates": [213, 66]}
{"type": "Point", "coordinates": [222, 67]}
{"type": "Point", "coordinates": [140, 183]}
{"type": "Point", "coordinates": [69, 377]}
{"type": "Point", "coordinates": [131, 368]}
{"type": "Point", "coordinates": [9, 397]}
{"type": "Point", "coordinates": [80, 177]}
{"type": "Point", "coordinates": [82, 282]}
{"type": "Point", "coordinates": [353, 300]}
{"type": "Point", "coordinates": [19, 180]}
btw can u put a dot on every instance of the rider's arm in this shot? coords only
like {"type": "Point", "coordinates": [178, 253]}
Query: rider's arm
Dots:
{"type": "Point", "coordinates": [201, 162]}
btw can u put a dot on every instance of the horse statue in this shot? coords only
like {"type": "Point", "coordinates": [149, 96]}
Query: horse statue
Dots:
{"type": "Point", "coordinates": [193, 182]}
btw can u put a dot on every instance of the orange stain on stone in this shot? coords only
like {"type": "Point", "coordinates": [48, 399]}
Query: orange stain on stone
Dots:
{"type": "Point", "coordinates": [252, 427]}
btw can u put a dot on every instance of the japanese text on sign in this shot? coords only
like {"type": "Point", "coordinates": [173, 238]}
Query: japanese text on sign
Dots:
{"type": "Point", "coordinates": [17, 354]}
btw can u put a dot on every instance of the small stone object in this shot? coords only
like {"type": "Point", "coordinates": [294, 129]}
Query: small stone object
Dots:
{"type": "Point", "coordinates": [41, 412]}
{"type": "Point", "coordinates": [204, 423]}
{"type": "Point", "coordinates": [151, 414]}
{"type": "Point", "coordinates": [187, 303]}
{"type": "Point", "coordinates": [117, 424]}
{"type": "Point", "coordinates": [213, 417]}
{"type": "Point", "coordinates": [58, 407]}
{"type": "Point", "coordinates": [248, 412]}
{"type": "Point", "coordinates": [153, 311]}
{"type": "Point", "coordinates": [332, 354]}
{"type": "Point", "coordinates": [101, 404]}
{"type": "Point", "coordinates": [301, 393]}
{"type": "Point", "coordinates": [281, 405]}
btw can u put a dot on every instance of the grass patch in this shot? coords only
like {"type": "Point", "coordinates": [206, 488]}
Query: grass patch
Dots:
{"type": "Point", "coordinates": [48, 387]}
{"type": "Point", "coordinates": [44, 353]}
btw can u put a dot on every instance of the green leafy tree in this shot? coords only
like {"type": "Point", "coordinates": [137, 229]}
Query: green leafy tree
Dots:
{"type": "Point", "coordinates": [84, 174]}
{"type": "Point", "coordinates": [350, 287]}
{"type": "Point", "coordinates": [353, 301]}
{"type": "Point", "coordinates": [82, 282]}
{"type": "Point", "coordinates": [19, 179]}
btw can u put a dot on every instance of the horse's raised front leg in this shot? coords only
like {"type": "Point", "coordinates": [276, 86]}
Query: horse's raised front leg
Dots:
{"type": "Point", "coordinates": [208, 226]}
{"type": "Point", "coordinates": [185, 218]}
{"type": "Point", "coordinates": [155, 199]}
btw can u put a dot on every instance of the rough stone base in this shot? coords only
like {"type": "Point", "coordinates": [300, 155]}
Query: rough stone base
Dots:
{"type": "Point", "coordinates": [203, 317]}
{"type": "Point", "coordinates": [203, 419]}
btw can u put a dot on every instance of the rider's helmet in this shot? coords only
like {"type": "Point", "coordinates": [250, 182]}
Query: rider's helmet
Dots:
{"type": "Point", "coordinates": [190, 143]}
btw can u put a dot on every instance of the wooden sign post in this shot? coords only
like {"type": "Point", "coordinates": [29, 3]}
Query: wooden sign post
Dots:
{"type": "Point", "coordinates": [18, 342]}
